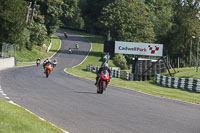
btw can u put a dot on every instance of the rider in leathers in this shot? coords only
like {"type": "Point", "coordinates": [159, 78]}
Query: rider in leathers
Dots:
{"type": "Point", "coordinates": [103, 67]}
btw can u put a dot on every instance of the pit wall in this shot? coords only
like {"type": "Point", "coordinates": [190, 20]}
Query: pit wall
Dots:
{"type": "Point", "coordinates": [7, 63]}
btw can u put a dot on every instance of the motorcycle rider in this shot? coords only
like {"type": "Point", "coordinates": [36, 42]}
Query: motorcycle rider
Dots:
{"type": "Point", "coordinates": [77, 46]}
{"type": "Point", "coordinates": [54, 63]}
{"type": "Point", "coordinates": [105, 66]}
{"type": "Point", "coordinates": [38, 61]}
{"type": "Point", "coordinates": [70, 50]}
{"type": "Point", "coordinates": [46, 62]}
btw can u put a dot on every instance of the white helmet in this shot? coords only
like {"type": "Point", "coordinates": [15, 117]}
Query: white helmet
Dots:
{"type": "Point", "coordinates": [105, 66]}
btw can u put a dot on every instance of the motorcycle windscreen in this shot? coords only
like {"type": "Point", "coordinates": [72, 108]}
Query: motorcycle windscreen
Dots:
{"type": "Point", "coordinates": [105, 73]}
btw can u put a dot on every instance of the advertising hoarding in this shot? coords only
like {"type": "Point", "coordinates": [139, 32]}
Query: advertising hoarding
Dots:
{"type": "Point", "coordinates": [139, 48]}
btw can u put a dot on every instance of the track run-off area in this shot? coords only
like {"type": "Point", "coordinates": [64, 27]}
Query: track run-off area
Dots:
{"type": "Point", "coordinates": [72, 103]}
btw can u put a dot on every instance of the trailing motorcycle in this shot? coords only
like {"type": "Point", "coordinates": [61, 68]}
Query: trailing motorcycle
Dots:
{"type": "Point", "coordinates": [54, 64]}
{"type": "Point", "coordinates": [48, 69]}
{"type": "Point", "coordinates": [102, 82]}
{"type": "Point", "coordinates": [38, 63]}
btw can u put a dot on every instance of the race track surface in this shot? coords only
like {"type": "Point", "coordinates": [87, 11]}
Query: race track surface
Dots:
{"type": "Point", "coordinates": [72, 103]}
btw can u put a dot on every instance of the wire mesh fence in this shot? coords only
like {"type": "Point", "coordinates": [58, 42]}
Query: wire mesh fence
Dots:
{"type": "Point", "coordinates": [8, 50]}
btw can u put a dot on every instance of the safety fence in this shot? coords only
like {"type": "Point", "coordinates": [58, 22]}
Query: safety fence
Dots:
{"type": "Point", "coordinates": [49, 46]}
{"type": "Point", "coordinates": [8, 50]}
{"type": "Point", "coordinates": [181, 83]}
{"type": "Point", "coordinates": [115, 72]}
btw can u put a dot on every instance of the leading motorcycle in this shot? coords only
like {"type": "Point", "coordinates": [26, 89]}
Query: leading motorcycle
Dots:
{"type": "Point", "coordinates": [102, 82]}
{"type": "Point", "coordinates": [65, 34]}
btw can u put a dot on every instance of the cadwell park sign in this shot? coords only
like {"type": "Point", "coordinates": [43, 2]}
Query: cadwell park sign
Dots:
{"type": "Point", "coordinates": [139, 48]}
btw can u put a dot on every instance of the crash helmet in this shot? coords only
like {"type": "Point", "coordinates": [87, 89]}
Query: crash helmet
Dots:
{"type": "Point", "coordinates": [105, 66]}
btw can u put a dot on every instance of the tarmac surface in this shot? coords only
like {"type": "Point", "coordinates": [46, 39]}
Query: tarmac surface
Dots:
{"type": "Point", "coordinates": [72, 103]}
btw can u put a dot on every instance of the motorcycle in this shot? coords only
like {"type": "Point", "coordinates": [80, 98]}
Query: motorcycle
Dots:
{"type": "Point", "coordinates": [102, 82]}
{"type": "Point", "coordinates": [48, 70]}
{"type": "Point", "coordinates": [38, 63]}
{"type": "Point", "coordinates": [65, 34]}
{"type": "Point", "coordinates": [70, 50]}
{"type": "Point", "coordinates": [54, 64]}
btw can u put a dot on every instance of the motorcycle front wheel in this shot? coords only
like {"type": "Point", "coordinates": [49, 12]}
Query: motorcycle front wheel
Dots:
{"type": "Point", "coordinates": [47, 73]}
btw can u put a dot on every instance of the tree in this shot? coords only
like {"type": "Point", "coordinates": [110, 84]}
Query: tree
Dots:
{"type": "Point", "coordinates": [161, 13]}
{"type": "Point", "coordinates": [127, 21]}
{"type": "Point", "coordinates": [91, 11]}
{"type": "Point", "coordinates": [51, 10]}
{"type": "Point", "coordinates": [186, 24]}
{"type": "Point", "coordinates": [72, 14]}
{"type": "Point", "coordinates": [12, 21]}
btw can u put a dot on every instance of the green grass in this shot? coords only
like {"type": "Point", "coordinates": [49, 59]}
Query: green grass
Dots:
{"type": "Point", "coordinates": [14, 119]}
{"type": "Point", "coordinates": [37, 52]}
{"type": "Point", "coordinates": [144, 86]}
{"type": "Point", "coordinates": [187, 72]}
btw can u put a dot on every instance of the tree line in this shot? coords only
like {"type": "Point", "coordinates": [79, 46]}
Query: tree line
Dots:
{"type": "Point", "coordinates": [174, 23]}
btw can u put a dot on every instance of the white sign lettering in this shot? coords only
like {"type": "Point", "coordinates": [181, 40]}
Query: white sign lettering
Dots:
{"type": "Point", "coordinates": [138, 48]}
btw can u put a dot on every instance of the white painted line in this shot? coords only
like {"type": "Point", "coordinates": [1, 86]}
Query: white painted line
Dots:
{"type": "Point", "coordinates": [7, 97]}
{"type": "Point", "coordinates": [36, 115]}
{"type": "Point", "coordinates": [57, 50]}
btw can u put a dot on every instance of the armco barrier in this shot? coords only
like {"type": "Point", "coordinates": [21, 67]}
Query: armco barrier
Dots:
{"type": "Point", "coordinates": [181, 83]}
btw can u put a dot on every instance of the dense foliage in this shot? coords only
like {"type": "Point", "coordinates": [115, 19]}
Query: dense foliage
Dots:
{"type": "Point", "coordinates": [119, 60]}
{"type": "Point", "coordinates": [169, 22]}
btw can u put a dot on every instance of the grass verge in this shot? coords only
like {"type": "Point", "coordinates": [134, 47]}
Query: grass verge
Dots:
{"type": "Point", "coordinates": [26, 57]}
{"type": "Point", "coordinates": [187, 72]}
{"type": "Point", "coordinates": [144, 86]}
{"type": "Point", "coordinates": [17, 120]}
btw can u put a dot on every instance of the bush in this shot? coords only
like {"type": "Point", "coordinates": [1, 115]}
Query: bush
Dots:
{"type": "Point", "coordinates": [120, 61]}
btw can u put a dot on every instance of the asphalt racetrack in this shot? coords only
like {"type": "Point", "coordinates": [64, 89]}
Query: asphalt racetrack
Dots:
{"type": "Point", "coordinates": [72, 103]}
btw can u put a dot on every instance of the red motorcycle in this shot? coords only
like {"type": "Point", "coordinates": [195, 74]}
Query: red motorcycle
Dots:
{"type": "Point", "coordinates": [102, 82]}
